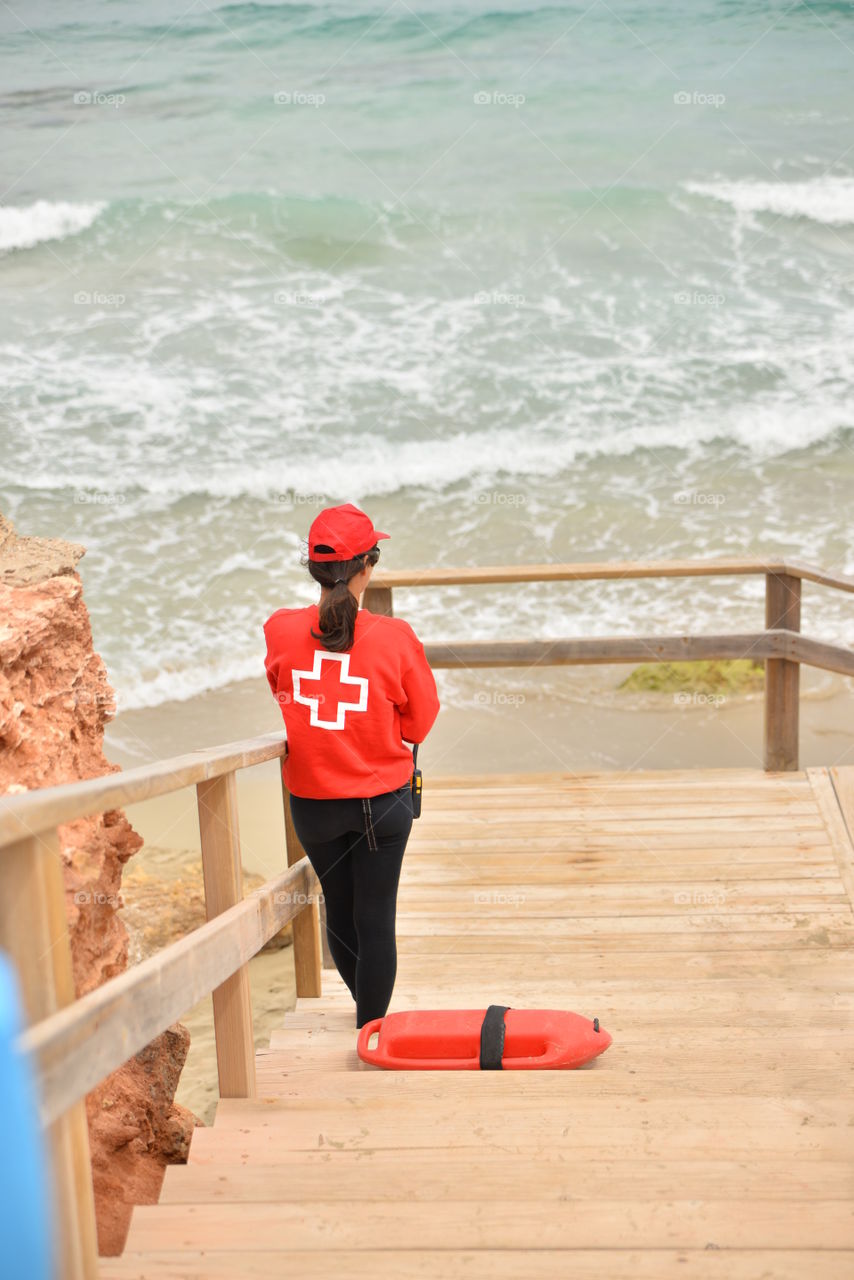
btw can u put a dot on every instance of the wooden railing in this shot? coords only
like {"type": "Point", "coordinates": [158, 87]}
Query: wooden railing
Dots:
{"type": "Point", "coordinates": [780, 646]}
{"type": "Point", "coordinates": [74, 1044]}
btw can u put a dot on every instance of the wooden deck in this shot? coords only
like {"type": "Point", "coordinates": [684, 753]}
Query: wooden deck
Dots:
{"type": "Point", "coordinates": [705, 917]}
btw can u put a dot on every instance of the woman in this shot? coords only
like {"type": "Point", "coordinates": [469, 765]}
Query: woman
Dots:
{"type": "Point", "coordinates": [352, 685]}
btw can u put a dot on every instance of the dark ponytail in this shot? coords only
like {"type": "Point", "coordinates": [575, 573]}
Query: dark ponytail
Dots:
{"type": "Point", "coordinates": [339, 609]}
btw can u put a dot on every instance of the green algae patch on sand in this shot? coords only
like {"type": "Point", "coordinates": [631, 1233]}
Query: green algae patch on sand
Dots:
{"type": "Point", "coordinates": [730, 676]}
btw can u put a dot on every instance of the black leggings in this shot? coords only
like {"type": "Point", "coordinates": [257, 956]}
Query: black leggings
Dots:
{"type": "Point", "coordinates": [356, 847]}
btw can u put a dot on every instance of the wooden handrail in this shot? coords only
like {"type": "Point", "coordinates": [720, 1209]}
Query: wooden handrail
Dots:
{"type": "Point", "coordinates": [78, 1046]}
{"type": "Point", "coordinates": [606, 649]}
{"type": "Point", "coordinates": [817, 653]}
{"type": "Point", "coordinates": [603, 650]}
{"type": "Point", "coordinates": [780, 646]}
{"type": "Point", "coordinates": [808, 573]}
{"type": "Point", "coordinates": [628, 569]}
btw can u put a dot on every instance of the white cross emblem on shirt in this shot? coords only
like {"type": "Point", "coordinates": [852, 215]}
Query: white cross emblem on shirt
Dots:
{"type": "Point", "coordinates": [341, 706]}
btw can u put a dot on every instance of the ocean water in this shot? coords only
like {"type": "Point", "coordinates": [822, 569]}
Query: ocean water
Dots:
{"type": "Point", "coordinates": [527, 282]}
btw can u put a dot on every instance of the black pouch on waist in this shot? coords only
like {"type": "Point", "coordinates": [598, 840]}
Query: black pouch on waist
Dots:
{"type": "Point", "coordinates": [416, 785]}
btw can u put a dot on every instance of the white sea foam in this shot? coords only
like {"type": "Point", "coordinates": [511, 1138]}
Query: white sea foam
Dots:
{"type": "Point", "coordinates": [136, 691]}
{"type": "Point", "coordinates": [22, 226]}
{"type": "Point", "coordinates": [827, 199]}
{"type": "Point", "coordinates": [366, 468]}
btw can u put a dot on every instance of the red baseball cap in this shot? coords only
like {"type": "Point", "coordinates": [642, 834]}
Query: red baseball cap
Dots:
{"type": "Point", "coordinates": [343, 532]}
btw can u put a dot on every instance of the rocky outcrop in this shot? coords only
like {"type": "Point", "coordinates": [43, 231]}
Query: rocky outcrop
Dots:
{"type": "Point", "coordinates": [55, 699]}
{"type": "Point", "coordinates": [135, 1130]}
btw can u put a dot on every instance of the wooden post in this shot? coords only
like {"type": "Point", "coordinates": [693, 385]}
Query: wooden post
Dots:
{"type": "Point", "coordinates": [311, 945]}
{"type": "Point", "coordinates": [378, 600]}
{"type": "Point", "coordinates": [223, 875]}
{"type": "Point", "coordinates": [34, 931]}
{"type": "Point", "coordinates": [782, 677]}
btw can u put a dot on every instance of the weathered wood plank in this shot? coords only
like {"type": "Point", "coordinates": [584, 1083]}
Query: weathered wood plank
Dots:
{"type": "Point", "coordinates": [718, 566]}
{"type": "Point", "coordinates": [494, 1175]}
{"type": "Point", "coordinates": [710, 778]}
{"type": "Point", "coordinates": [827, 801]}
{"type": "Point", "coordinates": [509, 1224]}
{"type": "Point", "coordinates": [734, 825]}
{"type": "Point", "coordinates": [606, 650]}
{"type": "Point", "coordinates": [520, 804]}
{"type": "Point", "coordinates": [378, 599]}
{"type": "Point", "coordinates": [549, 870]}
{"type": "Point", "coordinates": [523, 1118]}
{"type": "Point", "coordinates": [807, 1082]}
{"type": "Point", "coordinates": [810, 968]}
{"type": "Point", "coordinates": [674, 1073]}
{"type": "Point", "coordinates": [577, 899]}
{"type": "Point", "coordinates": [223, 880]}
{"type": "Point", "coordinates": [842, 780]}
{"type": "Point", "coordinates": [589, 1141]}
{"type": "Point", "coordinates": [487, 840]}
{"type": "Point", "coordinates": [661, 902]}
{"type": "Point", "coordinates": [310, 941]}
{"type": "Point", "coordinates": [603, 571]}
{"type": "Point", "coordinates": [803, 934]}
{"type": "Point", "coordinates": [782, 677]}
{"type": "Point", "coordinates": [703, 783]}
{"type": "Point", "coordinates": [319, 1262]}
{"type": "Point", "coordinates": [817, 653]}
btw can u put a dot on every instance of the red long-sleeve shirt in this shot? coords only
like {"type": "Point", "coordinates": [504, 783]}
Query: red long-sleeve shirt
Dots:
{"type": "Point", "coordinates": [347, 714]}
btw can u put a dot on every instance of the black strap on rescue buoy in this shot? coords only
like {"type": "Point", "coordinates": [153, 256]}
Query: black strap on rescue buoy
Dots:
{"type": "Point", "coordinates": [492, 1037]}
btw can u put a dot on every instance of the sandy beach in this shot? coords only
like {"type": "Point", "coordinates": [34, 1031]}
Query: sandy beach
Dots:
{"type": "Point", "coordinates": [499, 720]}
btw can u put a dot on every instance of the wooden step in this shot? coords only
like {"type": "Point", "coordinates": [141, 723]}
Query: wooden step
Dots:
{"type": "Point", "coordinates": [496, 1175]}
{"type": "Point", "coordinates": [504, 1224]}
{"type": "Point", "coordinates": [703, 916]}
{"type": "Point", "coordinates": [813, 1076]}
{"type": "Point", "coordinates": [590, 1141]}
{"type": "Point", "coordinates": [320, 1262]}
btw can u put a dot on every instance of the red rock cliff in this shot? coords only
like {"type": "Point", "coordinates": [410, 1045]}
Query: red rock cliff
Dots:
{"type": "Point", "coordinates": [54, 702]}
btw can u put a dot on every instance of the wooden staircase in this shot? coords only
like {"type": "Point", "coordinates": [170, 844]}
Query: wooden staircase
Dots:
{"type": "Point", "coordinates": [704, 916]}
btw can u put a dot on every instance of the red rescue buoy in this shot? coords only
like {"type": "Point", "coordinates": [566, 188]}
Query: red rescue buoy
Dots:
{"type": "Point", "coordinates": [472, 1039]}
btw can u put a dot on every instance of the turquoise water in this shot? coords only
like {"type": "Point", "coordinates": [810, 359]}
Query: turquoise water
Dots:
{"type": "Point", "coordinates": [529, 283]}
